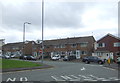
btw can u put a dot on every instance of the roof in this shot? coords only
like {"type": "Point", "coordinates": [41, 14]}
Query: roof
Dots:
{"type": "Point", "coordinates": [69, 40]}
{"type": "Point", "coordinates": [18, 43]}
{"type": "Point", "coordinates": [109, 35]}
{"type": "Point", "coordinates": [14, 44]}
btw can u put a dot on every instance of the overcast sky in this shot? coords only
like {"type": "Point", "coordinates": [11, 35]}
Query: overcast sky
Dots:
{"type": "Point", "coordinates": [62, 19]}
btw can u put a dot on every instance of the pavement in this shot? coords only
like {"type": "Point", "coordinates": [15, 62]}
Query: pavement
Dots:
{"type": "Point", "coordinates": [113, 66]}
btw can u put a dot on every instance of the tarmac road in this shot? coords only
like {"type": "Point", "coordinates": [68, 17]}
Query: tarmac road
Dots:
{"type": "Point", "coordinates": [64, 71]}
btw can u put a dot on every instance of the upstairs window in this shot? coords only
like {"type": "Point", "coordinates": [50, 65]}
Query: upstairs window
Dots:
{"type": "Point", "coordinates": [62, 46]}
{"type": "Point", "coordinates": [83, 44]}
{"type": "Point", "coordinates": [74, 45]}
{"type": "Point", "coordinates": [117, 44]}
{"type": "Point", "coordinates": [101, 44]}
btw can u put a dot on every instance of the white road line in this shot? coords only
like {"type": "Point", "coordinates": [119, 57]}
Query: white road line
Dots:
{"type": "Point", "coordinates": [102, 79]}
{"type": "Point", "coordinates": [114, 78]}
{"type": "Point", "coordinates": [57, 79]}
{"type": "Point", "coordinates": [93, 65]}
{"type": "Point", "coordinates": [89, 80]}
{"type": "Point", "coordinates": [76, 78]}
{"type": "Point", "coordinates": [66, 77]}
{"type": "Point", "coordinates": [109, 68]}
{"type": "Point", "coordinates": [86, 78]}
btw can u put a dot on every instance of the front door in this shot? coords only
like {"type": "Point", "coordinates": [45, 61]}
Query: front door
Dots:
{"type": "Point", "coordinates": [77, 54]}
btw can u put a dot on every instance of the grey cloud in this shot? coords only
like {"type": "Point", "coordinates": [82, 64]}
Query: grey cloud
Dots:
{"type": "Point", "coordinates": [15, 16]}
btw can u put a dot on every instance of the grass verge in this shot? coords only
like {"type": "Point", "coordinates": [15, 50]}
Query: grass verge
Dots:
{"type": "Point", "coordinates": [9, 64]}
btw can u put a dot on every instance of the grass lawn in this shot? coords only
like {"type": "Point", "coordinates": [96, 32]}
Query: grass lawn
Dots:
{"type": "Point", "coordinates": [8, 64]}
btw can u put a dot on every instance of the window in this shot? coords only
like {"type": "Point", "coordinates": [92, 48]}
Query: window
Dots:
{"type": "Point", "coordinates": [84, 53]}
{"type": "Point", "coordinates": [101, 44]}
{"type": "Point", "coordinates": [15, 48]}
{"type": "Point", "coordinates": [117, 44]}
{"type": "Point", "coordinates": [56, 46]}
{"type": "Point", "coordinates": [84, 44]}
{"type": "Point", "coordinates": [74, 45]}
{"type": "Point", "coordinates": [63, 53]}
{"type": "Point", "coordinates": [62, 46]}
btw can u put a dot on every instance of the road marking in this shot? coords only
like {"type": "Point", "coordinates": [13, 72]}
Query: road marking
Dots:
{"type": "Point", "coordinates": [75, 78]}
{"type": "Point", "coordinates": [66, 77]}
{"type": "Point", "coordinates": [57, 79]}
{"type": "Point", "coordinates": [109, 68]}
{"type": "Point", "coordinates": [82, 78]}
{"type": "Point", "coordinates": [82, 69]}
{"type": "Point", "coordinates": [101, 79]}
{"type": "Point", "coordinates": [93, 65]}
{"type": "Point", "coordinates": [114, 78]}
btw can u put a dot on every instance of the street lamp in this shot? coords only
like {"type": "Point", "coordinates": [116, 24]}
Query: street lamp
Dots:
{"type": "Point", "coordinates": [42, 28]}
{"type": "Point", "coordinates": [24, 32]}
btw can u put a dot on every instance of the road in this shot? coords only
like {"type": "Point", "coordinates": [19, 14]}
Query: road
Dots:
{"type": "Point", "coordinates": [65, 71]}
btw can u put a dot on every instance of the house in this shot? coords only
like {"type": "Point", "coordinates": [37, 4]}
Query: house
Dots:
{"type": "Point", "coordinates": [2, 42]}
{"type": "Point", "coordinates": [76, 46]}
{"type": "Point", "coordinates": [12, 48]}
{"type": "Point", "coordinates": [20, 48]}
{"type": "Point", "coordinates": [107, 46]}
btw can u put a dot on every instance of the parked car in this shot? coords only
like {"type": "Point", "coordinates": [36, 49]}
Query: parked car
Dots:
{"type": "Point", "coordinates": [31, 58]}
{"type": "Point", "coordinates": [94, 59]}
{"type": "Point", "coordinates": [118, 60]}
{"type": "Point", "coordinates": [56, 57]}
{"type": "Point", "coordinates": [13, 56]}
{"type": "Point", "coordinates": [5, 57]}
{"type": "Point", "coordinates": [23, 57]}
{"type": "Point", "coordinates": [69, 58]}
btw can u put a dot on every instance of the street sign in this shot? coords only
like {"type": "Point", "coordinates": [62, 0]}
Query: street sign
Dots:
{"type": "Point", "coordinates": [40, 51]}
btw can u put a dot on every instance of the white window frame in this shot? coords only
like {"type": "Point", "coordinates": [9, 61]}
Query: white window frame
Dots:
{"type": "Point", "coordinates": [116, 44]}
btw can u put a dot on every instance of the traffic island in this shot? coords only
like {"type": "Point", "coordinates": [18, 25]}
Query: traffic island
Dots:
{"type": "Point", "coordinates": [15, 65]}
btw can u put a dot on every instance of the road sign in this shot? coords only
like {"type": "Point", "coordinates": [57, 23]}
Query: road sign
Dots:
{"type": "Point", "coordinates": [40, 51]}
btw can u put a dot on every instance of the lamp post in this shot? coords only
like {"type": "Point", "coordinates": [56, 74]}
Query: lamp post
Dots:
{"type": "Point", "coordinates": [42, 28]}
{"type": "Point", "coordinates": [24, 33]}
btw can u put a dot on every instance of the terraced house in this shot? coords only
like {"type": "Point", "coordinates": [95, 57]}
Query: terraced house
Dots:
{"type": "Point", "coordinates": [76, 46]}
{"type": "Point", "coordinates": [20, 48]}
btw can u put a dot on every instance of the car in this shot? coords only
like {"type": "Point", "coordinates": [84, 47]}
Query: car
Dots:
{"type": "Point", "coordinates": [56, 57]}
{"type": "Point", "coordinates": [23, 57]}
{"type": "Point", "coordinates": [94, 59]}
{"type": "Point", "coordinates": [13, 56]}
{"type": "Point", "coordinates": [6, 57]}
{"type": "Point", "coordinates": [31, 58]}
{"type": "Point", "coordinates": [69, 58]}
{"type": "Point", "coordinates": [118, 60]}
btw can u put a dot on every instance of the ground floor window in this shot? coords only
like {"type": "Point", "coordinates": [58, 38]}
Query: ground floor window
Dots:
{"type": "Point", "coordinates": [83, 52]}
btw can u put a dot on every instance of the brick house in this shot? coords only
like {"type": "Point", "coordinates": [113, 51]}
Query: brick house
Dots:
{"type": "Point", "coordinates": [2, 42]}
{"type": "Point", "coordinates": [76, 46]}
{"type": "Point", "coordinates": [20, 48]}
{"type": "Point", "coordinates": [109, 45]}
